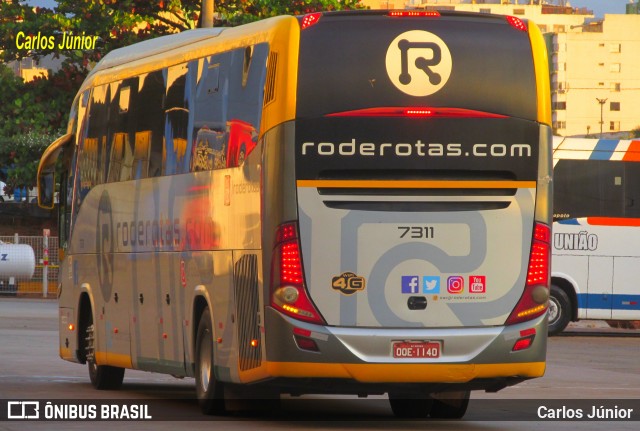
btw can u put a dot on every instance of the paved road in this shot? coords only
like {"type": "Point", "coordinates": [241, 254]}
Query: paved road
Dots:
{"type": "Point", "coordinates": [580, 366]}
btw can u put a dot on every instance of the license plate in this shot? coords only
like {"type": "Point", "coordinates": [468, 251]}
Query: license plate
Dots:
{"type": "Point", "coordinates": [416, 349]}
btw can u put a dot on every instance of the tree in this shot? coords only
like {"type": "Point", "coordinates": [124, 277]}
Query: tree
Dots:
{"type": "Point", "coordinates": [21, 156]}
{"type": "Point", "coordinates": [116, 23]}
{"type": "Point", "coordinates": [260, 9]}
{"type": "Point", "coordinates": [119, 23]}
{"type": "Point", "coordinates": [35, 113]}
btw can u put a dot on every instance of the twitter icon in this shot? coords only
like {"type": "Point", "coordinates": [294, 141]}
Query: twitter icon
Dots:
{"type": "Point", "coordinates": [430, 284]}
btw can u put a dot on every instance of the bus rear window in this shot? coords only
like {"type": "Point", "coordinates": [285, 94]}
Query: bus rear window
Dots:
{"type": "Point", "coordinates": [448, 61]}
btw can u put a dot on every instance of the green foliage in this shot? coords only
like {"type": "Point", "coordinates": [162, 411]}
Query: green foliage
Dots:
{"type": "Point", "coordinates": [36, 113]}
{"type": "Point", "coordinates": [635, 133]}
{"type": "Point", "coordinates": [22, 154]}
{"type": "Point", "coordinates": [240, 12]}
{"type": "Point", "coordinates": [39, 105]}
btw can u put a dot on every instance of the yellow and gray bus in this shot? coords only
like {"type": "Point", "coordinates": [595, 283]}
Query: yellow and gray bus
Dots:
{"type": "Point", "coordinates": [346, 202]}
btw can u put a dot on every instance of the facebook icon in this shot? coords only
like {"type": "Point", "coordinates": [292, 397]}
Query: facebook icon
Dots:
{"type": "Point", "coordinates": [410, 284]}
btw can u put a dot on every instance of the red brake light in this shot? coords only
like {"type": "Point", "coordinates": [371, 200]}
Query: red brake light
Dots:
{"type": "Point", "coordinates": [538, 272]}
{"type": "Point", "coordinates": [526, 339]}
{"type": "Point", "coordinates": [414, 13]}
{"type": "Point", "coordinates": [290, 267]}
{"type": "Point", "coordinates": [534, 300]}
{"type": "Point", "coordinates": [417, 112]}
{"type": "Point", "coordinates": [517, 23]}
{"type": "Point", "coordinates": [310, 19]}
{"type": "Point", "coordinates": [288, 291]}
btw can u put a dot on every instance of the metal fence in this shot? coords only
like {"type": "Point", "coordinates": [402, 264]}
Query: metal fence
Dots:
{"type": "Point", "coordinates": [38, 283]}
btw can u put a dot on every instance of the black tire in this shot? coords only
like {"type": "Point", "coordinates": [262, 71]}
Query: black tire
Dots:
{"type": "Point", "coordinates": [103, 377]}
{"type": "Point", "coordinates": [452, 405]}
{"type": "Point", "coordinates": [559, 310]}
{"type": "Point", "coordinates": [410, 406]}
{"type": "Point", "coordinates": [210, 392]}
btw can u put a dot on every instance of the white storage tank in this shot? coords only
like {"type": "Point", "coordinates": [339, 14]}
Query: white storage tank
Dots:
{"type": "Point", "coordinates": [16, 260]}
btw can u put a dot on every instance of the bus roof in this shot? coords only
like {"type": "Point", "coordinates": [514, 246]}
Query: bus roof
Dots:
{"type": "Point", "coordinates": [166, 51]}
{"type": "Point", "coordinates": [596, 149]}
{"type": "Point", "coordinates": [155, 46]}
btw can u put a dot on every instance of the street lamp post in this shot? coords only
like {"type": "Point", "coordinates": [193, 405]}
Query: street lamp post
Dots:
{"type": "Point", "coordinates": [601, 102]}
{"type": "Point", "coordinates": [207, 8]}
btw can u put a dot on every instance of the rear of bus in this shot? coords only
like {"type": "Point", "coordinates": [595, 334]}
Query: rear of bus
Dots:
{"type": "Point", "coordinates": [410, 248]}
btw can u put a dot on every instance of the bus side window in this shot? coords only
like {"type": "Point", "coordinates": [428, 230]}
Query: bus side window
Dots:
{"type": "Point", "coordinates": [590, 188]}
{"type": "Point", "coordinates": [148, 127]}
{"type": "Point", "coordinates": [176, 120]}
{"type": "Point", "coordinates": [210, 116]}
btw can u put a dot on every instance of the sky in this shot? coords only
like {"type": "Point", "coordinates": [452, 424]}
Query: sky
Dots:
{"type": "Point", "coordinates": [599, 7]}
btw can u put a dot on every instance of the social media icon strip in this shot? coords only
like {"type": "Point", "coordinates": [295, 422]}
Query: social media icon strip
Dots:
{"type": "Point", "coordinates": [431, 284]}
{"type": "Point", "coordinates": [455, 284]}
{"type": "Point", "coordinates": [410, 284]}
{"type": "Point", "coordinates": [477, 284]}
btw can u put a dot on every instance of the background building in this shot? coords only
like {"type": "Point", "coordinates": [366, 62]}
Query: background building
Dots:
{"type": "Point", "coordinates": [593, 62]}
{"type": "Point", "coordinates": [595, 81]}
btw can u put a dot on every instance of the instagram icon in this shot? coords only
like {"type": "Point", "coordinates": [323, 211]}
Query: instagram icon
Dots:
{"type": "Point", "coordinates": [455, 284]}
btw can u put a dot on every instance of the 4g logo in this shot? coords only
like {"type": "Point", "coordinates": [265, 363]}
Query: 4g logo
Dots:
{"type": "Point", "coordinates": [348, 283]}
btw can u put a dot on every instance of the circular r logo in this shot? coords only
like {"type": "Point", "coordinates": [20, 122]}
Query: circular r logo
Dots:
{"type": "Point", "coordinates": [418, 63]}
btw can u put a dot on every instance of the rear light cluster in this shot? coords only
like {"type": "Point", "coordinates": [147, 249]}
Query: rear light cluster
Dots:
{"type": "Point", "coordinates": [525, 341]}
{"type": "Point", "coordinates": [288, 292]}
{"type": "Point", "coordinates": [535, 299]}
{"type": "Point", "coordinates": [517, 23]}
{"type": "Point", "coordinates": [417, 112]}
{"type": "Point", "coordinates": [414, 13]}
{"type": "Point", "coordinates": [310, 19]}
{"type": "Point", "coordinates": [304, 341]}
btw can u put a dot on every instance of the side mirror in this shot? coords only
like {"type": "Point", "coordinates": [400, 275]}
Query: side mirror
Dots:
{"type": "Point", "coordinates": [46, 190]}
{"type": "Point", "coordinates": [47, 169]}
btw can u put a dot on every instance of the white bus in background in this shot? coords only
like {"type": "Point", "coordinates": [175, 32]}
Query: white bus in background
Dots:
{"type": "Point", "coordinates": [596, 231]}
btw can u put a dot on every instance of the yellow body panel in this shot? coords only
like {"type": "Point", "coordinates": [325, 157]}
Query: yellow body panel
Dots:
{"type": "Point", "coordinates": [115, 360]}
{"type": "Point", "coordinates": [541, 67]}
{"type": "Point", "coordinates": [406, 373]}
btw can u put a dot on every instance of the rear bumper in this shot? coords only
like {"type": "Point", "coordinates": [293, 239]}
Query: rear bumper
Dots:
{"type": "Point", "coordinates": [365, 355]}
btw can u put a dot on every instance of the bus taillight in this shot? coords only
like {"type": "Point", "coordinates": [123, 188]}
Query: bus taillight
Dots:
{"type": "Point", "coordinates": [288, 292]}
{"type": "Point", "coordinates": [534, 300]}
{"type": "Point", "coordinates": [414, 13]}
{"type": "Point", "coordinates": [310, 19]}
{"type": "Point", "coordinates": [416, 112]}
{"type": "Point", "coordinates": [516, 23]}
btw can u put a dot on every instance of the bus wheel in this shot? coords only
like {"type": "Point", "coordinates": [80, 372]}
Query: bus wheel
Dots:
{"type": "Point", "coordinates": [450, 405]}
{"type": "Point", "coordinates": [103, 377]}
{"type": "Point", "coordinates": [559, 310]}
{"type": "Point", "coordinates": [410, 406]}
{"type": "Point", "coordinates": [209, 391]}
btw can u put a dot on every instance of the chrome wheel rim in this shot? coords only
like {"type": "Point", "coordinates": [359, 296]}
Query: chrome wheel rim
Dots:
{"type": "Point", "coordinates": [205, 361]}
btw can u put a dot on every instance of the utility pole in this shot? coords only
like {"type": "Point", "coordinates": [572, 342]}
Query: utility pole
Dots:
{"type": "Point", "coordinates": [601, 102]}
{"type": "Point", "coordinates": [206, 13]}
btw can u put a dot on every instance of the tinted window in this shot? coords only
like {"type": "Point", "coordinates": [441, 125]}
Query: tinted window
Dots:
{"type": "Point", "coordinates": [344, 64]}
{"type": "Point", "coordinates": [229, 98]}
{"type": "Point", "coordinates": [596, 188]}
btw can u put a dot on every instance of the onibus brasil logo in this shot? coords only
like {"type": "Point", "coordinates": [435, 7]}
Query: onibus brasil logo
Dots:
{"type": "Point", "coordinates": [418, 63]}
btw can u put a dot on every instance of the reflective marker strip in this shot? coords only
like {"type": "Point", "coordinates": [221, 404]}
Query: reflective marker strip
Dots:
{"type": "Point", "coordinates": [411, 184]}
